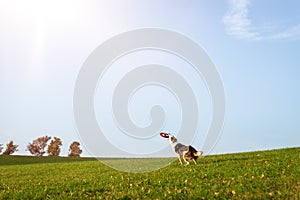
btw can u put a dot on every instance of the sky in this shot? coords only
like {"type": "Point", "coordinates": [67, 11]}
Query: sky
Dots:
{"type": "Point", "coordinates": [254, 45]}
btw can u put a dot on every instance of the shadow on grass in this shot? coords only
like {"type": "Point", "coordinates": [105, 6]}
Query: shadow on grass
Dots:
{"type": "Point", "coordinates": [220, 160]}
{"type": "Point", "coordinates": [137, 165]}
{"type": "Point", "coordinates": [23, 160]}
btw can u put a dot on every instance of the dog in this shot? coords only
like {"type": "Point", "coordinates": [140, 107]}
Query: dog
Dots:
{"type": "Point", "coordinates": [186, 152]}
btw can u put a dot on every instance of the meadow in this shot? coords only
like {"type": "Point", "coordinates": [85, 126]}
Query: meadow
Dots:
{"type": "Point", "coordinates": [255, 175]}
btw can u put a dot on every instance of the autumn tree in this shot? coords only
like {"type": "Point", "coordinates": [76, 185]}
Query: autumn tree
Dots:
{"type": "Point", "coordinates": [37, 147]}
{"type": "Point", "coordinates": [10, 148]}
{"type": "Point", "coordinates": [54, 147]}
{"type": "Point", "coordinates": [75, 150]}
{"type": "Point", "coordinates": [1, 148]}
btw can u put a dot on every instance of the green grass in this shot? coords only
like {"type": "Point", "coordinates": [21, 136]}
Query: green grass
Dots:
{"type": "Point", "coordinates": [256, 175]}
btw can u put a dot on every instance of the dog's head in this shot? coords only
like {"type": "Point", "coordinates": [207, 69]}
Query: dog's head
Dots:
{"type": "Point", "coordinates": [198, 153]}
{"type": "Point", "coordinates": [172, 139]}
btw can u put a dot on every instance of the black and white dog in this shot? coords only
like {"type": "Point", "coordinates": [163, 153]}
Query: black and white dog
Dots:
{"type": "Point", "coordinates": [186, 152]}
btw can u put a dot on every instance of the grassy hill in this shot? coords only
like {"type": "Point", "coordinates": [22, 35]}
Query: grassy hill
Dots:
{"type": "Point", "coordinates": [255, 175]}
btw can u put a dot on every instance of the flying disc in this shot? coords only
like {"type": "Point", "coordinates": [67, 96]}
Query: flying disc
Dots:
{"type": "Point", "coordinates": [164, 135]}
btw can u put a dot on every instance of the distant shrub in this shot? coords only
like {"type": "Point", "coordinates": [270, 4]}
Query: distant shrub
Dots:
{"type": "Point", "coordinates": [75, 150]}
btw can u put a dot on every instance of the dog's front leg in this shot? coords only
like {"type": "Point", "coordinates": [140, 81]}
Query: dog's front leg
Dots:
{"type": "Point", "coordinates": [195, 161]}
{"type": "Point", "coordinates": [179, 158]}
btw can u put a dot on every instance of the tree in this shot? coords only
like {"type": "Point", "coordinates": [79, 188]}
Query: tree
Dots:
{"type": "Point", "coordinates": [75, 150]}
{"type": "Point", "coordinates": [10, 148]}
{"type": "Point", "coordinates": [1, 148]}
{"type": "Point", "coordinates": [37, 147]}
{"type": "Point", "coordinates": [54, 147]}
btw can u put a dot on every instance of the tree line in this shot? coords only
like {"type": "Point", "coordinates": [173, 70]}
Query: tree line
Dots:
{"type": "Point", "coordinates": [40, 146]}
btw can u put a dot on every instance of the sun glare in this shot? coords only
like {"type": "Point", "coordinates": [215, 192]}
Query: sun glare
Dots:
{"type": "Point", "coordinates": [33, 21]}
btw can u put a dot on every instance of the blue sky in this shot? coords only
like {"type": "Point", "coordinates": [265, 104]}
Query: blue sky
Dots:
{"type": "Point", "coordinates": [254, 44]}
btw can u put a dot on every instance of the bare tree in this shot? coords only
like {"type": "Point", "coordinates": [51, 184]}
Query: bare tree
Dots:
{"type": "Point", "coordinates": [75, 150]}
{"type": "Point", "coordinates": [10, 148]}
{"type": "Point", "coordinates": [54, 147]}
{"type": "Point", "coordinates": [37, 147]}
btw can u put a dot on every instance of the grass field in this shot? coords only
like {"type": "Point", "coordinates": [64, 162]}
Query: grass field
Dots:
{"type": "Point", "coordinates": [256, 175]}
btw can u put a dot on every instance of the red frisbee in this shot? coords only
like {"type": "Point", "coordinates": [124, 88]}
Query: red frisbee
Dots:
{"type": "Point", "coordinates": [165, 135]}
